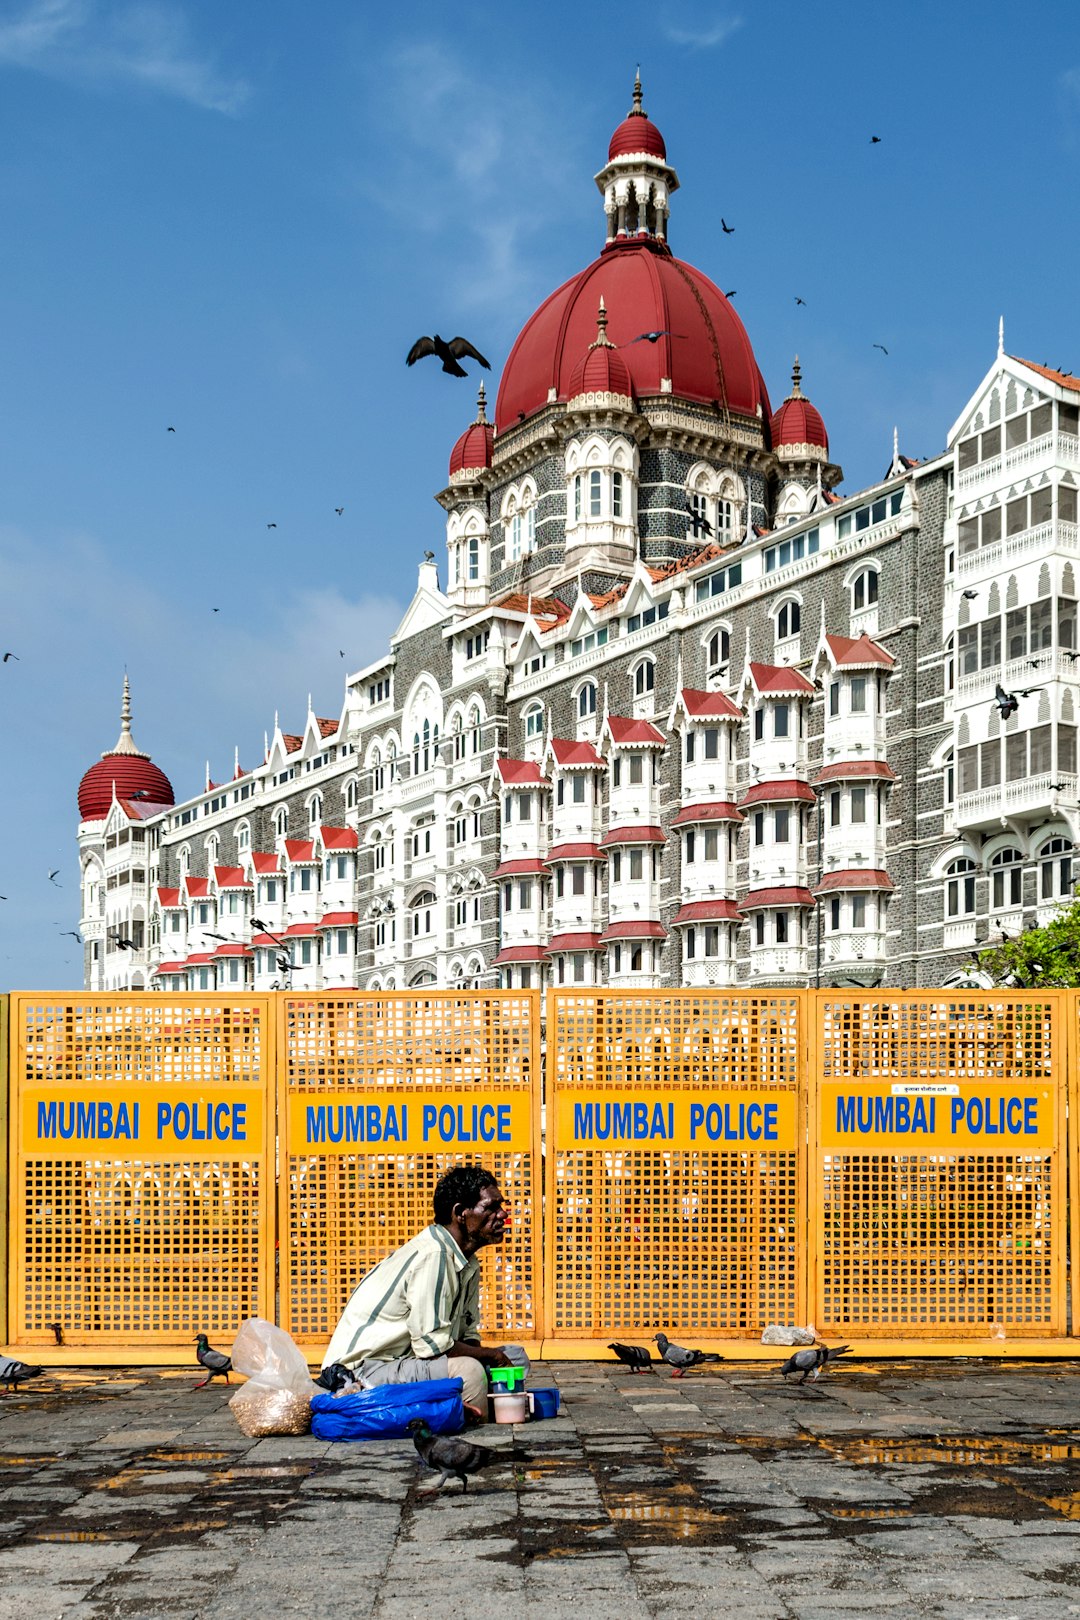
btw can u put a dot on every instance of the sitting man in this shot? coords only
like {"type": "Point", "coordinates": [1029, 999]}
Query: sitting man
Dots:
{"type": "Point", "coordinates": [416, 1315]}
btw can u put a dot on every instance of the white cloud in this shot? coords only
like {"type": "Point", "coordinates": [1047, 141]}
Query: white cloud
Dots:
{"type": "Point", "coordinates": [147, 43]}
{"type": "Point", "coordinates": [681, 29]}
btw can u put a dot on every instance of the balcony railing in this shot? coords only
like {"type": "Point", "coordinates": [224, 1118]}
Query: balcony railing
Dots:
{"type": "Point", "coordinates": [1044, 537]}
{"type": "Point", "coordinates": [1013, 798]}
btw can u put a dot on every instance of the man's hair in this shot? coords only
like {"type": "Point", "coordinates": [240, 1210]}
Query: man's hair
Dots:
{"type": "Point", "coordinates": [461, 1185]}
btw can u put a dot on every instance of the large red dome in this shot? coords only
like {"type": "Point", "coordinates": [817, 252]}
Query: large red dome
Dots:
{"type": "Point", "coordinates": [705, 350]}
{"type": "Point", "coordinates": [132, 773]}
{"type": "Point", "coordinates": [637, 133]}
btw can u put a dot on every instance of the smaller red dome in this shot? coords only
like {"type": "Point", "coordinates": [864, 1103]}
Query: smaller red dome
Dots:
{"type": "Point", "coordinates": [132, 774]}
{"type": "Point", "coordinates": [797, 422]}
{"type": "Point", "coordinates": [637, 132]}
{"type": "Point", "coordinates": [474, 448]}
{"type": "Point", "coordinates": [602, 370]}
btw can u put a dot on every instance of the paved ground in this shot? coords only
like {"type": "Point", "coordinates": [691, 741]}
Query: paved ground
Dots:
{"type": "Point", "coordinates": [929, 1489]}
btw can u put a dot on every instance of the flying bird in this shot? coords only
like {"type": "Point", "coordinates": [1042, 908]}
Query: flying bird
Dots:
{"type": "Point", "coordinates": [875, 140]}
{"type": "Point", "coordinates": [215, 610]}
{"type": "Point", "coordinates": [53, 877]}
{"type": "Point", "coordinates": [446, 1455]}
{"type": "Point", "coordinates": [339, 510]}
{"type": "Point", "coordinates": [340, 653]}
{"type": "Point", "coordinates": [811, 1360]}
{"type": "Point", "coordinates": [635, 1356]}
{"type": "Point", "coordinates": [13, 1373]}
{"type": "Point", "coordinates": [1072, 656]}
{"type": "Point", "coordinates": [1055, 787]}
{"type": "Point", "coordinates": [732, 293]}
{"type": "Point", "coordinates": [680, 1360]}
{"type": "Point", "coordinates": [125, 944]}
{"type": "Point", "coordinates": [729, 230]}
{"type": "Point", "coordinates": [170, 430]}
{"type": "Point", "coordinates": [212, 1361]}
{"type": "Point", "coordinates": [1007, 702]}
{"type": "Point", "coordinates": [271, 525]}
{"type": "Point", "coordinates": [284, 965]}
{"type": "Point", "coordinates": [801, 301]}
{"type": "Point", "coordinates": [69, 933]}
{"type": "Point", "coordinates": [16, 657]}
{"type": "Point", "coordinates": [699, 522]}
{"type": "Point", "coordinates": [429, 556]}
{"type": "Point", "coordinates": [969, 596]}
{"type": "Point", "coordinates": [880, 346]}
{"type": "Point", "coordinates": [650, 337]}
{"type": "Point", "coordinates": [450, 354]}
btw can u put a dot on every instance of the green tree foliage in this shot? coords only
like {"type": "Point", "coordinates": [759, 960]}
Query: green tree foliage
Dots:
{"type": "Point", "coordinates": [1041, 958]}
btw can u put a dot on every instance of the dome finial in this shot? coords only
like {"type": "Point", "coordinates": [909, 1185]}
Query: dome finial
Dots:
{"type": "Point", "coordinates": [637, 108]}
{"type": "Point", "coordinates": [125, 743]}
{"type": "Point", "coordinates": [481, 404]}
{"type": "Point", "coordinates": [602, 339]}
{"type": "Point", "coordinates": [796, 380]}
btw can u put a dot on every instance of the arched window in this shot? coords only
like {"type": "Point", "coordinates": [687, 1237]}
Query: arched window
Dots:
{"type": "Point", "coordinates": [718, 651]}
{"type": "Point", "coordinates": [530, 527]}
{"type": "Point", "coordinates": [457, 737]}
{"type": "Point", "coordinates": [281, 822]}
{"type": "Point", "coordinates": [1055, 870]}
{"type": "Point", "coordinates": [864, 589]}
{"type": "Point", "coordinates": [617, 494]}
{"type": "Point", "coordinates": [586, 701]}
{"type": "Point", "coordinates": [350, 793]}
{"type": "Point", "coordinates": [213, 848]}
{"type": "Point", "coordinates": [391, 761]}
{"type": "Point", "coordinates": [534, 720]}
{"type": "Point", "coordinates": [788, 620]}
{"type": "Point", "coordinates": [378, 777]}
{"type": "Point", "coordinates": [960, 888]}
{"type": "Point", "coordinates": [595, 493]}
{"type": "Point", "coordinates": [243, 836]}
{"type": "Point", "coordinates": [948, 769]}
{"type": "Point", "coordinates": [427, 745]}
{"type": "Point", "coordinates": [644, 678]}
{"type": "Point", "coordinates": [474, 728]}
{"type": "Point", "coordinates": [314, 810]}
{"type": "Point", "coordinates": [422, 908]}
{"type": "Point", "coordinates": [1006, 879]}
{"type": "Point", "coordinates": [473, 564]}
{"type": "Point", "coordinates": [185, 861]}
{"type": "Point", "coordinates": [416, 753]}
{"type": "Point", "coordinates": [578, 481]}
{"type": "Point", "coordinates": [515, 536]}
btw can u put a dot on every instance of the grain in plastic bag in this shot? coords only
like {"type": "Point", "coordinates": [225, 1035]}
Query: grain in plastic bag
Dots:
{"type": "Point", "coordinates": [277, 1396]}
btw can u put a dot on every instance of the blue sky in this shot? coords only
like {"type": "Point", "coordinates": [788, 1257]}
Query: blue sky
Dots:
{"type": "Point", "coordinates": [234, 220]}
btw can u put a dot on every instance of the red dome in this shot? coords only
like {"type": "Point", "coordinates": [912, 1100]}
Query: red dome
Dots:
{"type": "Point", "coordinates": [473, 449]}
{"type": "Point", "coordinates": [637, 133]}
{"type": "Point", "coordinates": [132, 773]}
{"type": "Point", "coordinates": [705, 350]}
{"type": "Point", "coordinates": [797, 422]}
{"type": "Point", "coordinates": [602, 371]}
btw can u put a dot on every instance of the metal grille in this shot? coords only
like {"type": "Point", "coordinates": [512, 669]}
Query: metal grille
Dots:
{"type": "Point", "coordinates": [148, 1234]}
{"type": "Point", "coordinates": [948, 1221]}
{"type": "Point", "coordinates": [688, 1229]}
{"type": "Point", "coordinates": [345, 1204]}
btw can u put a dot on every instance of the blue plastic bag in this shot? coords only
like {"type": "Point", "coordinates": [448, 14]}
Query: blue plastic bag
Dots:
{"type": "Point", "coordinates": [385, 1412]}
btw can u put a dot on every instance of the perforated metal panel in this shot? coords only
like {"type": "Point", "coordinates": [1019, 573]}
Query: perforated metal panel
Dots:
{"type": "Point", "coordinates": [380, 1095]}
{"type": "Point", "coordinates": [140, 1201]}
{"type": "Point", "coordinates": [938, 1188]}
{"type": "Point", "coordinates": [690, 1214]}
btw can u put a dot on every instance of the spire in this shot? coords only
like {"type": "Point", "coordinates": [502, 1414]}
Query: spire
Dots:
{"type": "Point", "coordinates": [637, 110]}
{"type": "Point", "coordinates": [602, 339]}
{"type": "Point", "coordinates": [1001, 336]}
{"type": "Point", "coordinates": [796, 380]}
{"type": "Point", "coordinates": [125, 743]}
{"type": "Point", "coordinates": [481, 404]}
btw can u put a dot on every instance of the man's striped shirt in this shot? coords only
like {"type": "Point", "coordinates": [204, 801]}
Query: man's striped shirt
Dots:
{"type": "Point", "coordinates": [417, 1302]}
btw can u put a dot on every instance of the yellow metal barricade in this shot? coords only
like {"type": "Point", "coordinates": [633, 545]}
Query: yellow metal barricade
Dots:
{"type": "Point", "coordinates": [674, 1184]}
{"type": "Point", "coordinates": [141, 1137]}
{"type": "Point", "coordinates": [939, 1163]}
{"type": "Point", "coordinates": [379, 1095]}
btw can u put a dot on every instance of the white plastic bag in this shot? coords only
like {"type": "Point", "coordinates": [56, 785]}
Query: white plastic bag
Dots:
{"type": "Point", "coordinates": [277, 1396]}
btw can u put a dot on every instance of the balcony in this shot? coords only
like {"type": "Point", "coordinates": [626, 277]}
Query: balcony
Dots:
{"type": "Point", "coordinates": [853, 947]}
{"type": "Point", "coordinates": [778, 961]}
{"type": "Point", "coordinates": [1029, 796]}
{"type": "Point", "coordinates": [1026, 544]}
{"type": "Point", "coordinates": [1052, 666]}
{"type": "Point", "coordinates": [711, 971]}
{"type": "Point", "coordinates": [960, 933]}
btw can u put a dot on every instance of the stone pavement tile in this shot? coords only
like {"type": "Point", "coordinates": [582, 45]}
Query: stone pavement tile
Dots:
{"type": "Point", "coordinates": [978, 1579]}
{"type": "Point", "coordinates": [134, 1438]}
{"type": "Point", "coordinates": [33, 1600]}
{"type": "Point", "coordinates": [62, 1561]}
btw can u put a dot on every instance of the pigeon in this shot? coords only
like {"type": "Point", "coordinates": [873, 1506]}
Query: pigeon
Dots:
{"type": "Point", "coordinates": [69, 933]}
{"type": "Point", "coordinates": [170, 430]}
{"type": "Point", "coordinates": [446, 1455]}
{"type": "Point", "coordinates": [125, 944]}
{"type": "Point", "coordinates": [16, 657]}
{"type": "Point", "coordinates": [339, 510]}
{"type": "Point", "coordinates": [731, 293]}
{"type": "Point", "coordinates": [271, 525]}
{"type": "Point", "coordinates": [53, 877]}
{"type": "Point", "coordinates": [636, 1356]}
{"type": "Point", "coordinates": [699, 522]}
{"type": "Point", "coordinates": [728, 230]}
{"type": "Point", "coordinates": [650, 337]}
{"type": "Point", "coordinates": [335, 1377]}
{"type": "Point", "coordinates": [13, 1373]}
{"type": "Point", "coordinates": [678, 1359]}
{"type": "Point", "coordinates": [215, 1364]}
{"type": "Point", "coordinates": [880, 346]}
{"type": "Point", "coordinates": [811, 1360]}
{"type": "Point", "coordinates": [450, 354]}
{"type": "Point", "coordinates": [875, 140]}
{"type": "Point", "coordinates": [56, 1330]}
{"type": "Point", "coordinates": [969, 596]}
{"type": "Point", "coordinates": [801, 301]}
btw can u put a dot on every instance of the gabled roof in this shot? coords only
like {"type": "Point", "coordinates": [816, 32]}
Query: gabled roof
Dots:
{"type": "Point", "coordinates": [169, 899]}
{"type": "Point", "coordinates": [569, 754]}
{"type": "Point", "coordinates": [541, 607]}
{"type": "Point", "coordinates": [338, 838]}
{"type": "Point", "coordinates": [197, 888]}
{"type": "Point", "coordinates": [858, 652]}
{"type": "Point", "coordinates": [327, 728]}
{"type": "Point", "coordinates": [266, 861]}
{"type": "Point", "coordinates": [707, 705]}
{"type": "Point", "coordinates": [301, 851]}
{"type": "Point", "coordinates": [231, 877]}
{"type": "Point", "coordinates": [521, 773]}
{"type": "Point", "coordinates": [627, 733]}
{"type": "Point", "coordinates": [1058, 377]}
{"type": "Point", "coordinates": [292, 741]}
{"type": "Point", "coordinates": [607, 599]}
{"type": "Point", "coordinates": [780, 680]}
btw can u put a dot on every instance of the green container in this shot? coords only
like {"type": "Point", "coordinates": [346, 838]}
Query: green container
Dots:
{"type": "Point", "coordinates": [509, 1379]}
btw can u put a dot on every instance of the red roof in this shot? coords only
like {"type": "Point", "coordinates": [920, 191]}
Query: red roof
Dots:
{"type": "Point", "coordinates": [1051, 375]}
{"type": "Point", "coordinates": [263, 939]}
{"type": "Point", "coordinates": [527, 864]}
{"type": "Point", "coordinates": [301, 851]}
{"type": "Point", "coordinates": [292, 741]}
{"type": "Point", "coordinates": [848, 768]}
{"type": "Point", "coordinates": [798, 423]}
{"type": "Point", "coordinates": [170, 899]}
{"type": "Point", "coordinates": [169, 967]}
{"type": "Point", "coordinates": [601, 370]}
{"type": "Point", "coordinates": [301, 930]}
{"type": "Point", "coordinates": [708, 911]}
{"type": "Point", "coordinates": [780, 792]}
{"type": "Point", "coordinates": [541, 607]}
{"type": "Point", "coordinates": [637, 133]}
{"type": "Point", "coordinates": [625, 731]}
{"type": "Point", "coordinates": [709, 704]}
{"type": "Point", "coordinates": [339, 919]}
{"type": "Point", "coordinates": [520, 953]}
{"type": "Point", "coordinates": [327, 728]}
{"type": "Point", "coordinates": [521, 773]}
{"type": "Point", "coordinates": [573, 942]}
{"type": "Point", "coordinates": [762, 899]}
{"type": "Point", "coordinates": [576, 852]}
{"type": "Point", "coordinates": [475, 445]}
{"type": "Point", "coordinates": [130, 774]}
{"type": "Point", "coordinates": [646, 929]}
{"type": "Point", "coordinates": [569, 753]}
{"type": "Point", "coordinates": [199, 959]}
{"type": "Point", "coordinates": [679, 565]}
{"type": "Point", "coordinates": [638, 834]}
{"type": "Point", "coordinates": [338, 838]}
{"type": "Point", "coordinates": [266, 862]}
{"type": "Point", "coordinates": [859, 653]}
{"type": "Point", "coordinates": [855, 878]}
{"type": "Point", "coordinates": [720, 810]}
{"type": "Point", "coordinates": [780, 679]}
{"type": "Point", "coordinates": [233, 950]}
{"type": "Point", "coordinates": [231, 877]}
{"type": "Point", "coordinates": [197, 888]}
{"type": "Point", "coordinates": [704, 351]}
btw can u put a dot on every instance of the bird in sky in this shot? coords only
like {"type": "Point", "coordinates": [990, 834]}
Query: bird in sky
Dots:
{"type": "Point", "coordinates": [728, 230]}
{"type": "Point", "coordinates": [446, 1455]}
{"type": "Point", "coordinates": [16, 657]}
{"type": "Point", "coordinates": [429, 556]}
{"type": "Point", "coordinates": [69, 933]}
{"type": "Point", "coordinates": [732, 293]}
{"type": "Point", "coordinates": [13, 1373]}
{"type": "Point", "coordinates": [53, 877]}
{"type": "Point", "coordinates": [450, 354]}
{"type": "Point", "coordinates": [651, 337]}
{"type": "Point", "coordinates": [812, 1360]}
{"type": "Point", "coordinates": [271, 525]}
{"type": "Point", "coordinates": [801, 301]}
{"type": "Point", "coordinates": [635, 1356]}
{"type": "Point", "coordinates": [212, 1361]}
{"type": "Point", "coordinates": [215, 610]}
{"type": "Point", "coordinates": [284, 964]}
{"type": "Point", "coordinates": [882, 347]}
{"type": "Point", "coordinates": [875, 140]}
{"type": "Point", "coordinates": [3, 896]}
{"type": "Point", "coordinates": [680, 1360]}
{"type": "Point", "coordinates": [170, 430]}
{"type": "Point", "coordinates": [340, 653]}
{"type": "Point", "coordinates": [339, 510]}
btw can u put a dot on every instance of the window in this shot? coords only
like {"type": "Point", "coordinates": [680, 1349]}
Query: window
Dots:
{"type": "Point", "coordinates": [577, 498]}
{"type": "Point", "coordinates": [644, 678]}
{"type": "Point", "coordinates": [834, 699]}
{"type": "Point", "coordinates": [473, 557]}
{"type": "Point", "coordinates": [690, 739]}
{"type": "Point", "coordinates": [524, 806]}
{"type": "Point", "coordinates": [636, 864]}
{"type": "Point", "coordinates": [865, 517]}
{"type": "Point", "coordinates": [649, 615]}
{"type": "Point", "coordinates": [594, 494]}
{"type": "Point", "coordinates": [781, 719]}
{"type": "Point", "coordinates": [792, 550]}
{"type": "Point", "coordinates": [834, 808]}
{"type": "Point", "coordinates": [422, 911]}
{"type": "Point", "coordinates": [584, 644]}
{"type": "Point", "coordinates": [315, 811]}
{"type": "Point", "coordinates": [834, 912]}
{"type": "Point", "coordinates": [281, 822]}
{"type": "Point", "coordinates": [534, 720]}
{"type": "Point", "coordinates": [718, 653]}
{"type": "Point", "coordinates": [1006, 879]}
{"type": "Point", "coordinates": [858, 805]}
{"type": "Point", "coordinates": [1055, 870]}
{"type": "Point", "coordinates": [759, 724]}
{"type": "Point", "coordinates": [759, 826]}
{"type": "Point", "coordinates": [586, 703]}
{"type": "Point", "coordinates": [721, 579]}
{"type": "Point", "coordinates": [858, 694]}
{"type": "Point", "coordinates": [759, 928]}
{"type": "Point", "coordinates": [858, 911]}
{"type": "Point", "coordinates": [960, 888]}
{"type": "Point", "coordinates": [782, 821]}
{"type": "Point", "coordinates": [636, 768]}
{"type": "Point", "coordinates": [617, 494]}
{"type": "Point", "coordinates": [781, 922]}
{"type": "Point", "coordinates": [864, 589]}
{"type": "Point", "coordinates": [476, 645]}
{"type": "Point", "coordinates": [579, 789]}
{"type": "Point", "coordinates": [788, 621]}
